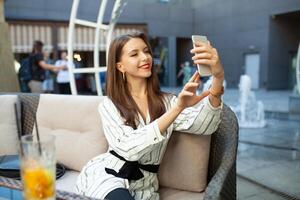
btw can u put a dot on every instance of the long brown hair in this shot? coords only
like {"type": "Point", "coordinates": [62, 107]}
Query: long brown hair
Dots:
{"type": "Point", "coordinates": [117, 89]}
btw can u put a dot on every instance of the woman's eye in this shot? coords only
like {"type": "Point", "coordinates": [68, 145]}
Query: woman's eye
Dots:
{"type": "Point", "coordinates": [132, 55]}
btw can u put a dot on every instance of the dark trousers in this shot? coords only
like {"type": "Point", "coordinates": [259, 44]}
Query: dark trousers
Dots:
{"type": "Point", "coordinates": [64, 88]}
{"type": "Point", "coordinates": [119, 194]}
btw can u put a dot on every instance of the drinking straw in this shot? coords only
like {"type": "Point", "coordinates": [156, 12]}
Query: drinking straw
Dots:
{"type": "Point", "coordinates": [17, 115]}
{"type": "Point", "coordinates": [37, 135]}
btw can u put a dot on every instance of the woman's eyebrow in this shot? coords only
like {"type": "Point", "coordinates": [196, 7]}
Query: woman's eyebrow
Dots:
{"type": "Point", "coordinates": [133, 51]}
{"type": "Point", "coordinates": [136, 50]}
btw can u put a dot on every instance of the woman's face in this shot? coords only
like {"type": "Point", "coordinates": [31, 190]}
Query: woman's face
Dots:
{"type": "Point", "coordinates": [136, 60]}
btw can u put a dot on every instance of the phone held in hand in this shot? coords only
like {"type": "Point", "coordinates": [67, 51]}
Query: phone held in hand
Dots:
{"type": "Point", "coordinates": [203, 70]}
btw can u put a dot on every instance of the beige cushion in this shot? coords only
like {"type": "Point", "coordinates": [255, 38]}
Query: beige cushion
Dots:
{"type": "Point", "coordinates": [8, 127]}
{"type": "Point", "coordinates": [172, 194]}
{"type": "Point", "coordinates": [185, 162]}
{"type": "Point", "coordinates": [67, 182]}
{"type": "Point", "coordinates": [76, 123]}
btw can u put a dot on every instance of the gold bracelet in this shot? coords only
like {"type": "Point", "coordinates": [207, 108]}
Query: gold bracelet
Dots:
{"type": "Point", "coordinates": [216, 94]}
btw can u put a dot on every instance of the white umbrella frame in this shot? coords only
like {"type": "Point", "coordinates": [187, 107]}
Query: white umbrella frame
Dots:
{"type": "Point", "coordinates": [117, 9]}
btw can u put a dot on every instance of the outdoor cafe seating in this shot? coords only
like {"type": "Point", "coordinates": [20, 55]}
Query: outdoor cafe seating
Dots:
{"type": "Point", "coordinates": [205, 165]}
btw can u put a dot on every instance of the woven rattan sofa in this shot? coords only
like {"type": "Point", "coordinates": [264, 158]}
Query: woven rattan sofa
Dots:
{"type": "Point", "coordinates": [220, 174]}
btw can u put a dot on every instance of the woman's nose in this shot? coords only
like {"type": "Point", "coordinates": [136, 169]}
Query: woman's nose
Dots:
{"type": "Point", "coordinates": [144, 56]}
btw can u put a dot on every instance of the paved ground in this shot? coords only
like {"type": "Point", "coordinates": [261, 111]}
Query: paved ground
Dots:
{"type": "Point", "coordinates": [249, 191]}
{"type": "Point", "coordinates": [271, 156]}
{"type": "Point", "coordinates": [268, 158]}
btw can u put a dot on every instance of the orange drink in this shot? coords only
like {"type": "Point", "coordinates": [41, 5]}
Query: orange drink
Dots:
{"type": "Point", "coordinates": [38, 169]}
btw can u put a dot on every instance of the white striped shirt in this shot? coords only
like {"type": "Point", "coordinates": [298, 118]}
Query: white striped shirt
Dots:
{"type": "Point", "coordinates": [145, 144]}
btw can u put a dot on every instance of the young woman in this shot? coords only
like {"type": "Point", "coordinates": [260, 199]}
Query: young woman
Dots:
{"type": "Point", "coordinates": [138, 120]}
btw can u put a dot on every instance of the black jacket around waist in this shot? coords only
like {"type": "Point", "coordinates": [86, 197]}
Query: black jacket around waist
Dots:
{"type": "Point", "coordinates": [131, 170]}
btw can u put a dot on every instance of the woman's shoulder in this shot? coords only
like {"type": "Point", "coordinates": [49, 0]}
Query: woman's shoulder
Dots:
{"type": "Point", "coordinates": [106, 102]}
{"type": "Point", "coordinates": [107, 105]}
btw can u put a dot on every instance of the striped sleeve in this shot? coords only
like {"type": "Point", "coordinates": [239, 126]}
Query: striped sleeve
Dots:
{"type": "Point", "coordinates": [127, 142]}
{"type": "Point", "coordinates": [202, 118]}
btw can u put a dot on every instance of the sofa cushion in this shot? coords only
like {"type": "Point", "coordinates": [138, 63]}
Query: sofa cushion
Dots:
{"type": "Point", "coordinates": [76, 123]}
{"type": "Point", "coordinates": [8, 127]}
{"type": "Point", "coordinates": [67, 182]}
{"type": "Point", "coordinates": [185, 162]}
{"type": "Point", "coordinates": [173, 194]}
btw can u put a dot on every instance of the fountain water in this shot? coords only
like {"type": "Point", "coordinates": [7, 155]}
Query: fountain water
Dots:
{"type": "Point", "coordinates": [294, 99]}
{"type": "Point", "coordinates": [250, 112]}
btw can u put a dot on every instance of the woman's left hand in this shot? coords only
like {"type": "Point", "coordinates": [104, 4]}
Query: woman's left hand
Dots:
{"type": "Point", "coordinates": [187, 97]}
{"type": "Point", "coordinates": [208, 55]}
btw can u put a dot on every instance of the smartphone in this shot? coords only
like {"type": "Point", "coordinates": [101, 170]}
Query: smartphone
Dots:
{"type": "Point", "coordinates": [203, 70]}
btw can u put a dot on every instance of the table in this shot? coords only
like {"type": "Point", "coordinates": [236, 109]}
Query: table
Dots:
{"type": "Point", "coordinates": [15, 187]}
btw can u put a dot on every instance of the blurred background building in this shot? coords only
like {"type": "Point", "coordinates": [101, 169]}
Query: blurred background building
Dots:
{"type": "Point", "coordinates": [257, 38]}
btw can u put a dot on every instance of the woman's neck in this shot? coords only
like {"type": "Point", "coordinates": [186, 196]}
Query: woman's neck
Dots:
{"type": "Point", "coordinates": [138, 88]}
{"type": "Point", "coordinates": [138, 91]}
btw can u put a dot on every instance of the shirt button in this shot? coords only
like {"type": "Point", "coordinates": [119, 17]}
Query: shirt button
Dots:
{"type": "Point", "coordinates": [155, 138]}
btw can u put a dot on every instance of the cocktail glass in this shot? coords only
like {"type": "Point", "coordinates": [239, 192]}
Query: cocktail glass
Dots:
{"type": "Point", "coordinates": [38, 167]}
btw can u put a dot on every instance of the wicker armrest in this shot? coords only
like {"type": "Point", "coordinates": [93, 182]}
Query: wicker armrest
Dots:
{"type": "Point", "coordinates": [222, 164]}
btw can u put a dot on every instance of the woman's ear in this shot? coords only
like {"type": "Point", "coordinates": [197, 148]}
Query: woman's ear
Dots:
{"type": "Point", "coordinates": [120, 67]}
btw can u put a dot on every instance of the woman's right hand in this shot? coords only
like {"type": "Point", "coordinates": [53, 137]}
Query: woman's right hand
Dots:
{"type": "Point", "coordinates": [187, 97]}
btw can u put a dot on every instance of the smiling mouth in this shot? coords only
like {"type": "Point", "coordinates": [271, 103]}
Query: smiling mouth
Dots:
{"type": "Point", "coordinates": [145, 66]}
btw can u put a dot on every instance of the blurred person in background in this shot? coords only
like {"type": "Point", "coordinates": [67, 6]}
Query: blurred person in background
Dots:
{"type": "Point", "coordinates": [38, 66]}
{"type": "Point", "coordinates": [187, 72]}
{"type": "Point", "coordinates": [48, 84]}
{"type": "Point", "coordinates": [180, 73]}
{"type": "Point", "coordinates": [63, 79]}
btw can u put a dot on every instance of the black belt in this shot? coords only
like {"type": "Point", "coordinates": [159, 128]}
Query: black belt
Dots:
{"type": "Point", "coordinates": [131, 170]}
